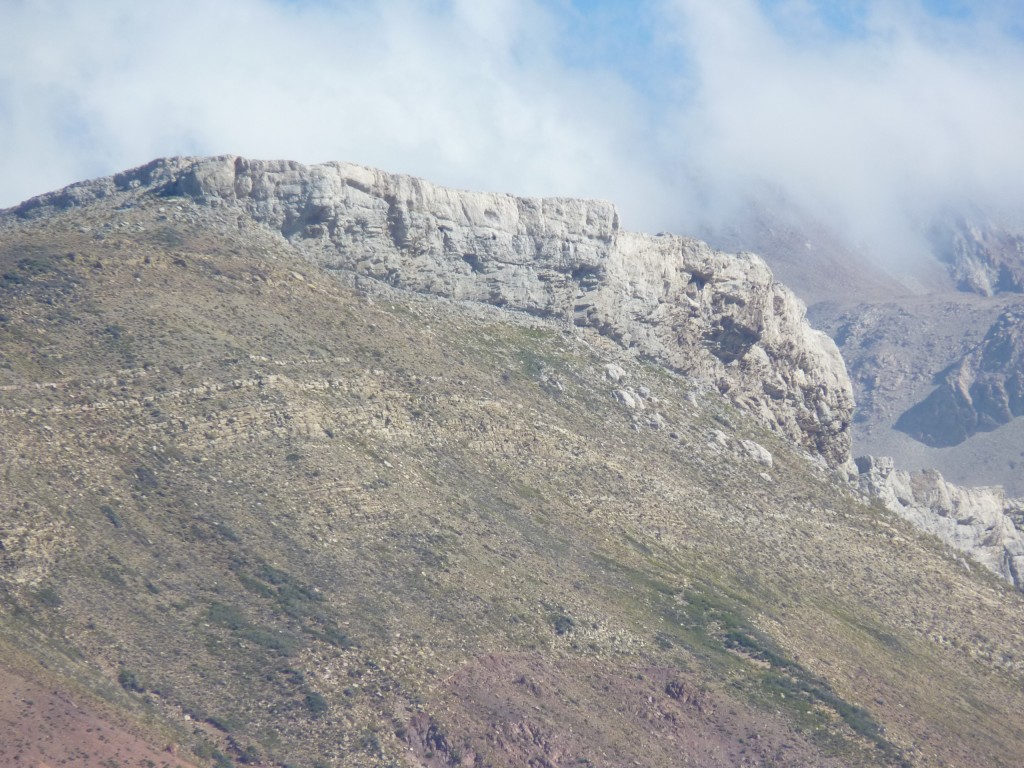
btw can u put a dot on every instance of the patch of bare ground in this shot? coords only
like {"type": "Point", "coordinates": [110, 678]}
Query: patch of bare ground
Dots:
{"type": "Point", "coordinates": [45, 727]}
{"type": "Point", "coordinates": [523, 709]}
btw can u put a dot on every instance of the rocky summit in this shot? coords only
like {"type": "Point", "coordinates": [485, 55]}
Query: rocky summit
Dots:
{"type": "Point", "coordinates": [323, 466]}
{"type": "Point", "coordinates": [721, 319]}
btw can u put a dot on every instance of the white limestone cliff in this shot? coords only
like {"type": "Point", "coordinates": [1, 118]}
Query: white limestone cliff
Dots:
{"type": "Point", "coordinates": [719, 318]}
{"type": "Point", "coordinates": [977, 521]}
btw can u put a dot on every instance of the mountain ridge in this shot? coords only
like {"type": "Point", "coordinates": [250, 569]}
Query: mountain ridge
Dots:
{"type": "Point", "coordinates": [674, 299]}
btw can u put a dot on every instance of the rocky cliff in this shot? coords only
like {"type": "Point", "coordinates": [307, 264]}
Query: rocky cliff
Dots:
{"type": "Point", "coordinates": [719, 318]}
{"type": "Point", "coordinates": [981, 392]}
{"type": "Point", "coordinates": [981, 522]}
{"type": "Point", "coordinates": [982, 256]}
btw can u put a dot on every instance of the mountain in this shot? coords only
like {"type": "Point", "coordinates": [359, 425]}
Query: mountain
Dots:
{"type": "Point", "coordinates": [922, 338]}
{"type": "Point", "coordinates": [981, 393]}
{"type": "Point", "coordinates": [721, 319]}
{"type": "Point", "coordinates": [320, 466]}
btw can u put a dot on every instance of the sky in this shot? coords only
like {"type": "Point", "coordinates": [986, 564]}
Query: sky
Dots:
{"type": "Point", "coordinates": [869, 114]}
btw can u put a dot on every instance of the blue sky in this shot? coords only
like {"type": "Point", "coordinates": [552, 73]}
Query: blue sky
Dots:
{"type": "Point", "coordinates": [869, 112]}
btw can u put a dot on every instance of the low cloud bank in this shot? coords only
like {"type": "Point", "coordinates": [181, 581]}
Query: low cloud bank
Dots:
{"type": "Point", "coordinates": [868, 115]}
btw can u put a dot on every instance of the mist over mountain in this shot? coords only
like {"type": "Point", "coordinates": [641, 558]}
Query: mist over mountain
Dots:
{"type": "Point", "coordinates": [869, 117]}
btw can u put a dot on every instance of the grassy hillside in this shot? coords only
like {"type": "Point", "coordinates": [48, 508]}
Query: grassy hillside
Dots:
{"type": "Point", "coordinates": [274, 518]}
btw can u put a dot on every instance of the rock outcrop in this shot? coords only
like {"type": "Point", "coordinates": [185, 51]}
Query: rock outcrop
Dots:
{"type": "Point", "coordinates": [981, 522]}
{"type": "Point", "coordinates": [982, 257]}
{"type": "Point", "coordinates": [980, 393]}
{"type": "Point", "coordinates": [719, 318]}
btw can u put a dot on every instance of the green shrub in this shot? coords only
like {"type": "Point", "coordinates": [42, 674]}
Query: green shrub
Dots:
{"type": "Point", "coordinates": [316, 703]}
{"type": "Point", "coordinates": [283, 643]}
{"type": "Point", "coordinates": [112, 516]}
{"type": "Point", "coordinates": [249, 756]}
{"type": "Point", "coordinates": [562, 624]}
{"type": "Point", "coordinates": [228, 616]}
{"type": "Point", "coordinates": [224, 724]}
{"type": "Point", "coordinates": [335, 637]}
{"type": "Point", "coordinates": [129, 682]}
{"type": "Point", "coordinates": [47, 596]}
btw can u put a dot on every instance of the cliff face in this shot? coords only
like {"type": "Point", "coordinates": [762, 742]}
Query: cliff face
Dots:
{"type": "Point", "coordinates": [983, 257]}
{"type": "Point", "coordinates": [980, 522]}
{"type": "Point", "coordinates": [719, 318]}
{"type": "Point", "coordinates": [981, 392]}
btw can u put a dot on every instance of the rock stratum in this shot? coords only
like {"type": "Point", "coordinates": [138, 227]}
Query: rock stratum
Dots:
{"type": "Point", "coordinates": [982, 256]}
{"type": "Point", "coordinates": [719, 318]}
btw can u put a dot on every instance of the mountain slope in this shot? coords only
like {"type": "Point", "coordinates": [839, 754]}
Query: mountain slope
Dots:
{"type": "Point", "coordinates": [982, 393]}
{"type": "Point", "coordinates": [719, 318]}
{"type": "Point", "coordinates": [280, 517]}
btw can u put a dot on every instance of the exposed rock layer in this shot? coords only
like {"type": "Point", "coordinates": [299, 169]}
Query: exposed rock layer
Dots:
{"type": "Point", "coordinates": [981, 522]}
{"type": "Point", "coordinates": [982, 257]}
{"type": "Point", "coordinates": [980, 393]}
{"type": "Point", "coordinates": [720, 318]}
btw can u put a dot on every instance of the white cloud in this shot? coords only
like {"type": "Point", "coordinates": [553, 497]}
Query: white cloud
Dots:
{"type": "Point", "coordinates": [870, 129]}
{"type": "Point", "coordinates": [465, 93]}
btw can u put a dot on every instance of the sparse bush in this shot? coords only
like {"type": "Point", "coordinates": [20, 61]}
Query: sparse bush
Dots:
{"type": "Point", "coordinates": [316, 703]}
{"type": "Point", "coordinates": [48, 597]}
{"type": "Point", "coordinates": [285, 644]}
{"type": "Point", "coordinates": [370, 744]}
{"type": "Point", "coordinates": [249, 756]}
{"type": "Point", "coordinates": [562, 624]}
{"type": "Point", "coordinates": [226, 532]}
{"type": "Point", "coordinates": [224, 724]}
{"type": "Point", "coordinates": [112, 575]}
{"type": "Point", "coordinates": [145, 477]}
{"type": "Point", "coordinates": [129, 682]}
{"type": "Point", "coordinates": [335, 637]}
{"type": "Point", "coordinates": [272, 575]}
{"type": "Point", "coordinates": [255, 586]}
{"type": "Point", "coordinates": [227, 616]}
{"type": "Point", "coordinates": [112, 516]}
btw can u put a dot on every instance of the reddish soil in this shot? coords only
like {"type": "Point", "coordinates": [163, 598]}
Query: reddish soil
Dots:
{"type": "Point", "coordinates": [45, 728]}
{"type": "Point", "coordinates": [520, 710]}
